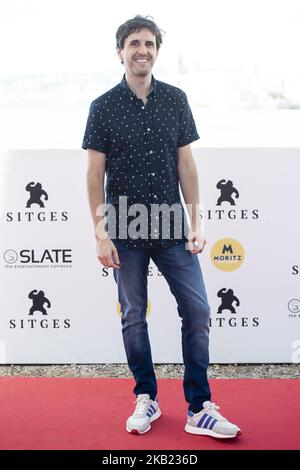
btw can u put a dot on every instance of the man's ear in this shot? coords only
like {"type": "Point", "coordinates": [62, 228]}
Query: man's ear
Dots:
{"type": "Point", "coordinates": [119, 53]}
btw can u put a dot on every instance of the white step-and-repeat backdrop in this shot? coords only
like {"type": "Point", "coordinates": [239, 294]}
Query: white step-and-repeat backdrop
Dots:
{"type": "Point", "coordinates": [59, 305]}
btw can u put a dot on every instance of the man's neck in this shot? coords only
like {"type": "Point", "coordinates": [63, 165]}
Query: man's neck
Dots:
{"type": "Point", "coordinates": [141, 86]}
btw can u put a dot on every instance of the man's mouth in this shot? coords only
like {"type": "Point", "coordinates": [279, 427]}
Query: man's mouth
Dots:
{"type": "Point", "coordinates": [142, 61]}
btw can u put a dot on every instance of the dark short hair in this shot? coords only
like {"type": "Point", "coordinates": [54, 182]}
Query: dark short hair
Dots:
{"type": "Point", "coordinates": [135, 24]}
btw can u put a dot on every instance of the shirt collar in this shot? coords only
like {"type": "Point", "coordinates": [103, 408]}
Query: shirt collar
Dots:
{"type": "Point", "coordinates": [126, 89]}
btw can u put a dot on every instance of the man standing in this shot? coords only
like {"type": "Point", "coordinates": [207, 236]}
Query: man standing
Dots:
{"type": "Point", "coordinates": [139, 134]}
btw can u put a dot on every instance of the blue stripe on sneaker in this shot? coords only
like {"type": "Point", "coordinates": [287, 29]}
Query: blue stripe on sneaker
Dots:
{"type": "Point", "coordinates": [150, 411]}
{"type": "Point", "coordinates": [212, 424]}
{"type": "Point", "coordinates": [208, 421]}
{"type": "Point", "coordinates": [149, 414]}
{"type": "Point", "coordinates": [152, 408]}
{"type": "Point", "coordinates": [202, 420]}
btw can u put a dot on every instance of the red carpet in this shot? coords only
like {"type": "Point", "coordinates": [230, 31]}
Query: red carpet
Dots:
{"type": "Point", "coordinates": [80, 413]}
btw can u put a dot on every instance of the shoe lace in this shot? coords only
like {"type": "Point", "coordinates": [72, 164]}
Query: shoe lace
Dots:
{"type": "Point", "coordinates": [142, 405]}
{"type": "Point", "coordinates": [212, 408]}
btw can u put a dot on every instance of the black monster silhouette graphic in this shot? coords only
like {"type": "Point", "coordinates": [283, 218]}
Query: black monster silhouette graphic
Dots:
{"type": "Point", "coordinates": [228, 298]}
{"type": "Point", "coordinates": [227, 190]}
{"type": "Point", "coordinates": [38, 299]}
{"type": "Point", "coordinates": [36, 192]}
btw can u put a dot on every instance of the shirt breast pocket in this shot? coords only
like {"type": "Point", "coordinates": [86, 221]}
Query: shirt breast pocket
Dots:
{"type": "Point", "coordinates": [166, 129]}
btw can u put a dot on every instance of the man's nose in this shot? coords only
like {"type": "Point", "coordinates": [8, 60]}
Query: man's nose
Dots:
{"type": "Point", "coordinates": [142, 49]}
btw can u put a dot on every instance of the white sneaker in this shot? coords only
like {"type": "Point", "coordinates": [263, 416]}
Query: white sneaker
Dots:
{"type": "Point", "coordinates": [145, 412]}
{"type": "Point", "coordinates": [209, 422]}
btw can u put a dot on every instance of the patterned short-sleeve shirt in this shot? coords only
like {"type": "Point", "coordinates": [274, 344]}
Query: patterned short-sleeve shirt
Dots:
{"type": "Point", "coordinates": [141, 146]}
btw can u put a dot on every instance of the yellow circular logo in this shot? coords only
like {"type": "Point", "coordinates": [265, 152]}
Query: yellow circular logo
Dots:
{"type": "Point", "coordinates": [227, 254]}
{"type": "Point", "coordinates": [147, 312]}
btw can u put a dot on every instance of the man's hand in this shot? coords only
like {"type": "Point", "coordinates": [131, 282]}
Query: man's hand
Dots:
{"type": "Point", "coordinates": [196, 241]}
{"type": "Point", "coordinates": [107, 253]}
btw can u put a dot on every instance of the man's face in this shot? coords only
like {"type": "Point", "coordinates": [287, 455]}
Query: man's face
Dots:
{"type": "Point", "coordinates": [139, 53]}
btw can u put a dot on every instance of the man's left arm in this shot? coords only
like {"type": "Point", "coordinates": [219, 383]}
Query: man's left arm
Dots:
{"type": "Point", "coordinates": [189, 183]}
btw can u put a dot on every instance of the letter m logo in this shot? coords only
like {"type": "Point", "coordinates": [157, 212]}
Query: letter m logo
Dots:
{"type": "Point", "coordinates": [227, 249]}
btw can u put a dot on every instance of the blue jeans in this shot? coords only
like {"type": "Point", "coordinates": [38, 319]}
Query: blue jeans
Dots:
{"type": "Point", "coordinates": [182, 272]}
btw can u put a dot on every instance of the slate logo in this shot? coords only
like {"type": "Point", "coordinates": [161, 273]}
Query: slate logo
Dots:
{"type": "Point", "coordinates": [10, 257]}
{"type": "Point", "coordinates": [228, 199]}
{"type": "Point", "coordinates": [228, 313]}
{"type": "Point", "coordinates": [40, 306]}
{"type": "Point", "coordinates": [36, 201]}
{"type": "Point", "coordinates": [34, 258]}
{"type": "Point", "coordinates": [294, 308]}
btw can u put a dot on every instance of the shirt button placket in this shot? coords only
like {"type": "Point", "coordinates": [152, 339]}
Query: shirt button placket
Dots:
{"type": "Point", "coordinates": [151, 173]}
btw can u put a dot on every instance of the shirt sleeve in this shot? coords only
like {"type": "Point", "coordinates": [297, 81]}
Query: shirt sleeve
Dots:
{"type": "Point", "coordinates": [187, 127]}
{"type": "Point", "coordinates": [96, 136]}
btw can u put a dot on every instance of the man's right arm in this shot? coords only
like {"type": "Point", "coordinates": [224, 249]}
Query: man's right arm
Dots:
{"type": "Point", "coordinates": [106, 250]}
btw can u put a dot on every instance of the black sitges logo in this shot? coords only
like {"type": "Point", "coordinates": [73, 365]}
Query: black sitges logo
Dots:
{"type": "Point", "coordinates": [36, 192]}
{"type": "Point", "coordinates": [40, 304]}
{"type": "Point", "coordinates": [35, 206]}
{"type": "Point", "coordinates": [295, 270]}
{"type": "Point", "coordinates": [226, 314]}
{"type": "Point", "coordinates": [227, 190]}
{"type": "Point", "coordinates": [153, 271]}
{"type": "Point", "coordinates": [229, 205]}
{"type": "Point", "coordinates": [228, 298]}
{"type": "Point", "coordinates": [38, 300]}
